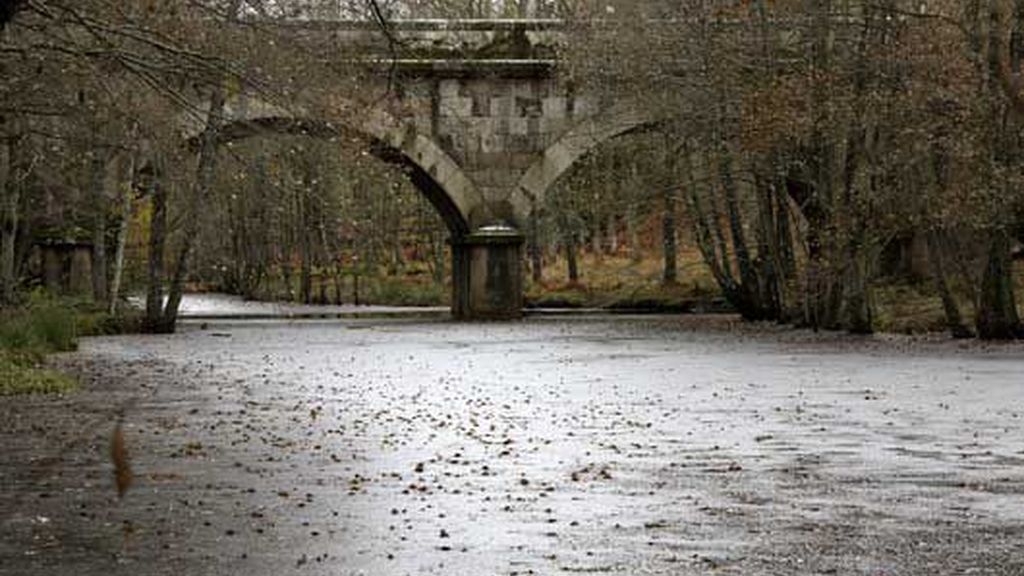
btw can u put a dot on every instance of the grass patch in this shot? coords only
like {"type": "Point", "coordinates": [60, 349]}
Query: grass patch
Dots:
{"type": "Point", "coordinates": [566, 297]}
{"type": "Point", "coordinates": [41, 327]}
{"type": "Point", "coordinates": [917, 309]}
{"type": "Point", "coordinates": [620, 283]}
{"type": "Point", "coordinates": [27, 334]}
{"type": "Point", "coordinates": [413, 286]}
{"type": "Point", "coordinates": [21, 374]}
{"type": "Point", "coordinates": [46, 325]}
{"type": "Point", "coordinates": [908, 309]}
{"type": "Point", "coordinates": [92, 322]}
{"type": "Point", "coordinates": [407, 291]}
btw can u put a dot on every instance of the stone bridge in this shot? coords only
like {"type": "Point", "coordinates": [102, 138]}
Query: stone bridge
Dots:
{"type": "Point", "coordinates": [482, 120]}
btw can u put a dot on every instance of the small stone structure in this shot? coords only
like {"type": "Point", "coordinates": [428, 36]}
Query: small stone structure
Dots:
{"type": "Point", "coordinates": [66, 266]}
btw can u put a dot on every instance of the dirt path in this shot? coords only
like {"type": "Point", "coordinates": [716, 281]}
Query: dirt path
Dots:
{"type": "Point", "coordinates": [554, 446]}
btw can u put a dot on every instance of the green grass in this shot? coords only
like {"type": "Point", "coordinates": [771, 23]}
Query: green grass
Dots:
{"type": "Point", "coordinates": [412, 286]}
{"type": "Point", "coordinates": [21, 374]}
{"type": "Point", "coordinates": [917, 309]}
{"type": "Point", "coordinates": [619, 283]}
{"type": "Point", "coordinates": [909, 309]}
{"type": "Point", "coordinates": [42, 326]}
{"type": "Point", "coordinates": [399, 291]}
{"type": "Point", "coordinates": [47, 325]}
{"type": "Point", "coordinates": [27, 334]}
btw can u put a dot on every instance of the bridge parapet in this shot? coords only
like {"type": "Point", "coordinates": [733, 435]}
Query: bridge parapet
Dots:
{"type": "Point", "coordinates": [424, 45]}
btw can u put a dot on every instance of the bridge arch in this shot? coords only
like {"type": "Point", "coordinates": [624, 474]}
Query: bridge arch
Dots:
{"type": "Point", "coordinates": [573, 145]}
{"type": "Point", "coordinates": [432, 171]}
{"type": "Point", "coordinates": [486, 282]}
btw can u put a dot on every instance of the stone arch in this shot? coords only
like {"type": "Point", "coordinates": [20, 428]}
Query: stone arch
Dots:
{"type": "Point", "coordinates": [429, 167]}
{"type": "Point", "coordinates": [575, 144]}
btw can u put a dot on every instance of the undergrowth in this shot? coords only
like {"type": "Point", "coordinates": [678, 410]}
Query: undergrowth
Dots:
{"type": "Point", "coordinates": [22, 374]}
{"type": "Point", "coordinates": [43, 325]}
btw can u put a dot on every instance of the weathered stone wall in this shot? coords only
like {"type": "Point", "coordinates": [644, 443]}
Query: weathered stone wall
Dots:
{"type": "Point", "coordinates": [495, 129]}
{"type": "Point", "coordinates": [479, 115]}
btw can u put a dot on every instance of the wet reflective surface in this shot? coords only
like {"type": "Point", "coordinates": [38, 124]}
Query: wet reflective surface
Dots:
{"type": "Point", "coordinates": [601, 445]}
{"type": "Point", "coordinates": [223, 306]}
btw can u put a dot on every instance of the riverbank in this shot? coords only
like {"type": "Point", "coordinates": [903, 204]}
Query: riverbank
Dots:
{"type": "Point", "coordinates": [620, 284]}
{"type": "Point", "coordinates": [43, 325]}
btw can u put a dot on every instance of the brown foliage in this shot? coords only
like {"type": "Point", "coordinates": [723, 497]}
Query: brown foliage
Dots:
{"type": "Point", "coordinates": [122, 464]}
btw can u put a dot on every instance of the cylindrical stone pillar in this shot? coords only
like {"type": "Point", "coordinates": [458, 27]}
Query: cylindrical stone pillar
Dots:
{"type": "Point", "coordinates": [487, 275]}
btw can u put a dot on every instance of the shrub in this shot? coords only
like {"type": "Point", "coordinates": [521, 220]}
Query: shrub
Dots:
{"type": "Point", "coordinates": [392, 292]}
{"type": "Point", "coordinates": [95, 323]}
{"type": "Point", "coordinates": [15, 333]}
{"type": "Point", "coordinates": [54, 327]}
{"type": "Point", "coordinates": [44, 325]}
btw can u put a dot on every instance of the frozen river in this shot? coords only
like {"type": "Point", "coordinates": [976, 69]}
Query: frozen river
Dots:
{"type": "Point", "coordinates": [601, 445]}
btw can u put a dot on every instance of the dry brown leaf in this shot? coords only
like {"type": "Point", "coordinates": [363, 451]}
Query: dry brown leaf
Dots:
{"type": "Point", "coordinates": [122, 466]}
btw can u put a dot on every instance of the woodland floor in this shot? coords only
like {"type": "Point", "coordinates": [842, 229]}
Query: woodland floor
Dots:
{"type": "Point", "coordinates": [624, 445]}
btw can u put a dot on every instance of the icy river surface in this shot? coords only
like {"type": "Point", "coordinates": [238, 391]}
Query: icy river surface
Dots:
{"type": "Point", "coordinates": [594, 445]}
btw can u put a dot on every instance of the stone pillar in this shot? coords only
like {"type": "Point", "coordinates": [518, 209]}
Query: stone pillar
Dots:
{"type": "Point", "coordinates": [53, 269]}
{"type": "Point", "coordinates": [80, 273]}
{"type": "Point", "coordinates": [487, 270]}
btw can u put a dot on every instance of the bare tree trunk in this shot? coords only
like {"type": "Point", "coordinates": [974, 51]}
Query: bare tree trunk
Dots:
{"type": "Point", "coordinates": [706, 244]}
{"type": "Point", "coordinates": [392, 219]}
{"type": "Point", "coordinates": [855, 309]}
{"type": "Point", "coordinates": [157, 247]}
{"type": "Point", "coordinates": [596, 237]}
{"type": "Point", "coordinates": [325, 256]}
{"type": "Point", "coordinates": [10, 196]}
{"type": "Point", "coordinates": [10, 190]}
{"type": "Point", "coordinates": [305, 245]}
{"type": "Point", "coordinates": [205, 167]}
{"type": "Point", "coordinates": [708, 233]}
{"type": "Point", "coordinates": [669, 234]}
{"type": "Point", "coordinates": [748, 276]}
{"type": "Point", "coordinates": [670, 271]}
{"type": "Point", "coordinates": [338, 278]}
{"type": "Point", "coordinates": [769, 290]}
{"type": "Point", "coordinates": [632, 232]}
{"type": "Point", "coordinates": [856, 302]}
{"type": "Point", "coordinates": [536, 252]}
{"type": "Point", "coordinates": [440, 256]}
{"type": "Point", "coordinates": [784, 237]}
{"type": "Point", "coordinates": [97, 184]}
{"type": "Point", "coordinates": [397, 260]}
{"type": "Point", "coordinates": [126, 190]}
{"type": "Point", "coordinates": [571, 249]}
{"type": "Point", "coordinates": [997, 317]}
{"type": "Point", "coordinates": [632, 216]}
{"type": "Point", "coordinates": [306, 278]}
{"type": "Point", "coordinates": [355, 288]}
{"type": "Point", "coordinates": [235, 222]}
{"type": "Point", "coordinates": [613, 235]}
{"type": "Point", "coordinates": [954, 320]}
{"type": "Point", "coordinates": [286, 278]}
{"type": "Point", "coordinates": [817, 201]}
{"type": "Point", "coordinates": [805, 195]}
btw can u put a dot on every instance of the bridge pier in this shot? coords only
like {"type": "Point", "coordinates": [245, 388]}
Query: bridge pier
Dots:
{"type": "Point", "coordinates": [487, 273]}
